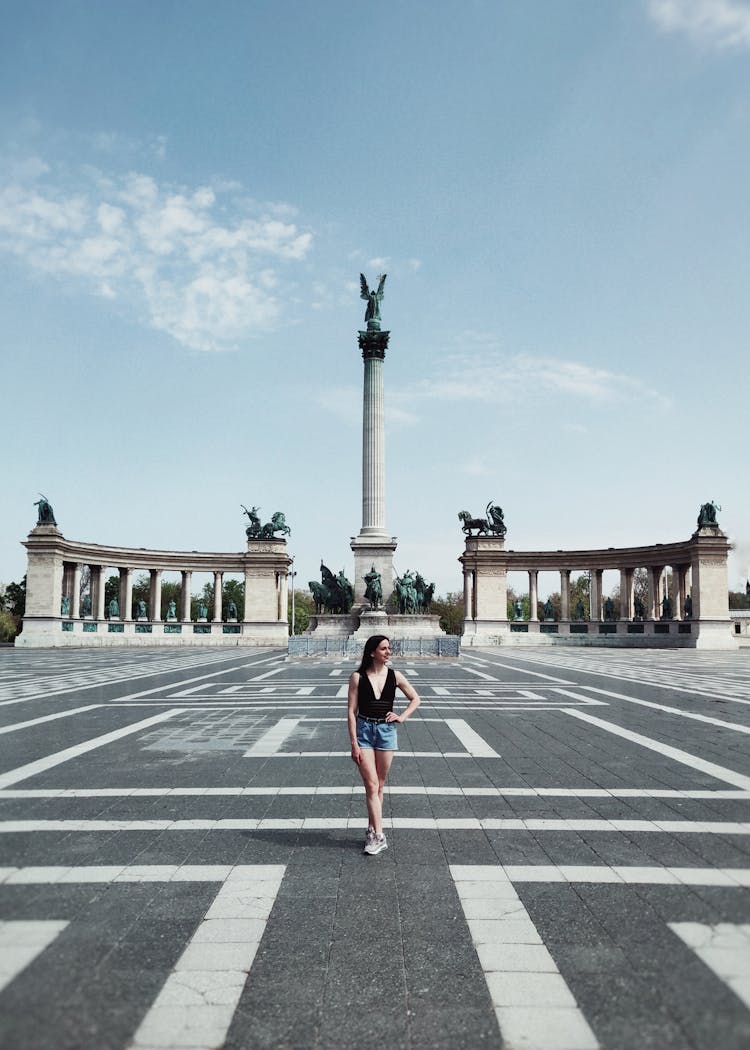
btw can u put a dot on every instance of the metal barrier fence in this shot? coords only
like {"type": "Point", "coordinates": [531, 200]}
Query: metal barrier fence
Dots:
{"type": "Point", "coordinates": [301, 645]}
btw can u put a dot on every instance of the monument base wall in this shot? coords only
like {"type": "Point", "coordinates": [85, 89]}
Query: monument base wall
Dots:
{"type": "Point", "coordinates": [620, 634]}
{"type": "Point", "coordinates": [57, 633]}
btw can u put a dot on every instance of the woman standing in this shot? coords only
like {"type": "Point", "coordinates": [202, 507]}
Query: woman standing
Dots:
{"type": "Point", "coordinates": [372, 728]}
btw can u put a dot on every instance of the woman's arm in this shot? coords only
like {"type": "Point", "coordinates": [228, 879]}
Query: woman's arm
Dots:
{"type": "Point", "coordinates": [352, 716]}
{"type": "Point", "coordinates": [411, 695]}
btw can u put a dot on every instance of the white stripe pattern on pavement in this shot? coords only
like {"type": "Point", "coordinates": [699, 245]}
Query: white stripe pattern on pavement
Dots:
{"type": "Point", "coordinates": [42, 764]}
{"type": "Point", "coordinates": [729, 776]}
{"type": "Point", "coordinates": [47, 718]}
{"type": "Point", "coordinates": [724, 947]}
{"type": "Point", "coordinates": [534, 1007]}
{"type": "Point", "coordinates": [271, 741]}
{"type": "Point", "coordinates": [21, 942]}
{"type": "Point", "coordinates": [540, 824]}
{"type": "Point", "coordinates": [197, 1002]}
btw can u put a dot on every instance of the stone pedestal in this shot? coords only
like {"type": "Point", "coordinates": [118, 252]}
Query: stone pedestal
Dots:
{"type": "Point", "coordinates": [371, 622]}
{"type": "Point", "coordinates": [332, 625]}
{"type": "Point", "coordinates": [373, 551]}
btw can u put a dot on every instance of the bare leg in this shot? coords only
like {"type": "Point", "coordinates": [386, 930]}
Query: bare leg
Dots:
{"type": "Point", "coordinates": [373, 792]}
{"type": "Point", "coordinates": [383, 761]}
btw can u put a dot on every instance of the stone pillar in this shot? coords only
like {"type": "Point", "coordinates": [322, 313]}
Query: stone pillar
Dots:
{"type": "Point", "coordinates": [564, 594]}
{"type": "Point", "coordinates": [66, 589]}
{"type": "Point", "coordinates": [248, 594]}
{"type": "Point", "coordinates": [266, 566]}
{"type": "Point", "coordinates": [468, 594]}
{"type": "Point", "coordinates": [626, 594]}
{"type": "Point", "coordinates": [654, 576]}
{"type": "Point", "coordinates": [155, 596]}
{"type": "Point", "coordinates": [595, 597]}
{"type": "Point", "coordinates": [126, 594]}
{"type": "Point", "coordinates": [283, 585]}
{"type": "Point", "coordinates": [44, 587]}
{"type": "Point", "coordinates": [187, 577]}
{"type": "Point", "coordinates": [218, 584]}
{"type": "Point", "coordinates": [373, 346]}
{"type": "Point", "coordinates": [709, 572]}
{"type": "Point", "coordinates": [533, 577]}
{"type": "Point", "coordinates": [681, 591]}
{"type": "Point", "coordinates": [97, 585]}
{"type": "Point", "coordinates": [76, 602]}
{"type": "Point", "coordinates": [484, 563]}
{"type": "Point", "coordinates": [373, 546]}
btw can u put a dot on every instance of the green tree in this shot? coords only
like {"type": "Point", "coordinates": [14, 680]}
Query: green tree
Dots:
{"type": "Point", "coordinates": [450, 609]}
{"type": "Point", "coordinates": [579, 592]}
{"type": "Point", "coordinates": [556, 600]}
{"type": "Point", "coordinates": [171, 591]}
{"type": "Point", "coordinates": [234, 591]}
{"type": "Point", "coordinates": [8, 626]}
{"type": "Point", "coordinates": [514, 597]}
{"type": "Point", "coordinates": [739, 600]}
{"type": "Point", "coordinates": [15, 599]}
{"type": "Point", "coordinates": [111, 590]}
{"type": "Point", "coordinates": [207, 595]}
{"type": "Point", "coordinates": [304, 608]}
{"type": "Point", "coordinates": [142, 589]}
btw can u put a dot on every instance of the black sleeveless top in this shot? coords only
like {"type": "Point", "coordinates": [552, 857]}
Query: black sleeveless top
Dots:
{"type": "Point", "coordinates": [367, 703]}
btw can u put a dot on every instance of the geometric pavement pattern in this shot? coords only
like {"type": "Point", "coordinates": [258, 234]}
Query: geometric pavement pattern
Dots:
{"type": "Point", "coordinates": [568, 862]}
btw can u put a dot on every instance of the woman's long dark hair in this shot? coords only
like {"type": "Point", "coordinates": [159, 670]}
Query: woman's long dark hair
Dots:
{"type": "Point", "coordinates": [370, 646]}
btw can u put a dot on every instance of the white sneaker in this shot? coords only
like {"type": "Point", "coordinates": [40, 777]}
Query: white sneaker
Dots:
{"type": "Point", "coordinates": [377, 845]}
{"type": "Point", "coordinates": [369, 839]}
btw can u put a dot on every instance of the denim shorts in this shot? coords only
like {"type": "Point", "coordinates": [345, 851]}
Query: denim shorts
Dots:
{"type": "Point", "coordinates": [380, 736]}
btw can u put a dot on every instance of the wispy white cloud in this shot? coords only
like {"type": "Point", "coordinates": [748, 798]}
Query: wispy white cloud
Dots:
{"type": "Point", "coordinates": [716, 23]}
{"type": "Point", "coordinates": [509, 378]}
{"type": "Point", "coordinates": [204, 265]}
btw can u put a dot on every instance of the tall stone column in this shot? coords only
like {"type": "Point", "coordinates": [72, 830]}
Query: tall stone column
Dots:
{"type": "Point", "coordinates": [533, 599]}
{"type": "Point", "coordinates": [595, 598]}
{"type": "Point", "coordinates": [218, 586]}
{"type": "Point", "coordinates": [76, 602]}
{"type": "Point", "coordinates": [97, 584]}
{"type": "Point", "coordinates": [654, 579]}
{"type": "Point", "coordinates": [126, 594]}
{"type": "Point", "coordinates": [187, 577]}
{"type": "Point", "coordinates": [626, 594]}
{"type": "Point", "coordinates": [373, 547]}
{"type": "Point", "coordinates": [468, 594]}
{"type": "Point", "coordinates": [564, 594]}
{"type": "Point", "coordinates": [283, 586]}
{"type": "Point", "coordinates": [155, 596]}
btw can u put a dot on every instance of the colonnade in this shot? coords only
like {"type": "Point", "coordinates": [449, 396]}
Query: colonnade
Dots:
{"type": "Point", "coordinates": [696, 614]}
{"type": "Point", "coordinates": [657, 591]}
{"type": "Point", "coordinates": [57, 613]}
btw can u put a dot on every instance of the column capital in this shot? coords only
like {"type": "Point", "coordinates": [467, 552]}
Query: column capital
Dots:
{"type": "Point", "coordinates": [373, 344]}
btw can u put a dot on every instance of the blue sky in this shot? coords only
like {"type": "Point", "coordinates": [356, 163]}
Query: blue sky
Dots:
{"type": "Point", "coordinates": [557, 191]}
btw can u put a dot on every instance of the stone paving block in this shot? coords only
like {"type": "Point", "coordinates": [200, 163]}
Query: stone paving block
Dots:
{"type": "Point", "coordinates": [545, 1028]}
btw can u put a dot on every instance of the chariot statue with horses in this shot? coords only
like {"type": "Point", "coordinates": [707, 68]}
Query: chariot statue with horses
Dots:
{"type": "Point", "coordinates": [707, 514]}
{"type": "Point", "coordinates": [493, 524]}
{"type": "Point", "coordinates": [256, 531]}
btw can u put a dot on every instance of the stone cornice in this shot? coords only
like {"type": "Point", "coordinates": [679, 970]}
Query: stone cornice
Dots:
{"type": "Point", "coordinates": [271, 554]}
{"type": "Point", "coordinates": [490, 550]}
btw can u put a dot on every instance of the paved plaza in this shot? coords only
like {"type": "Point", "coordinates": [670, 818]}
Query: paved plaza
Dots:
{"type": "Point", "coordinates": [568, 863]}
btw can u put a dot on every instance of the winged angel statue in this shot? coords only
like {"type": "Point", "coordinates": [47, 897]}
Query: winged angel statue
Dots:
{"type": "Point", "coordinates": [373, 299]}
